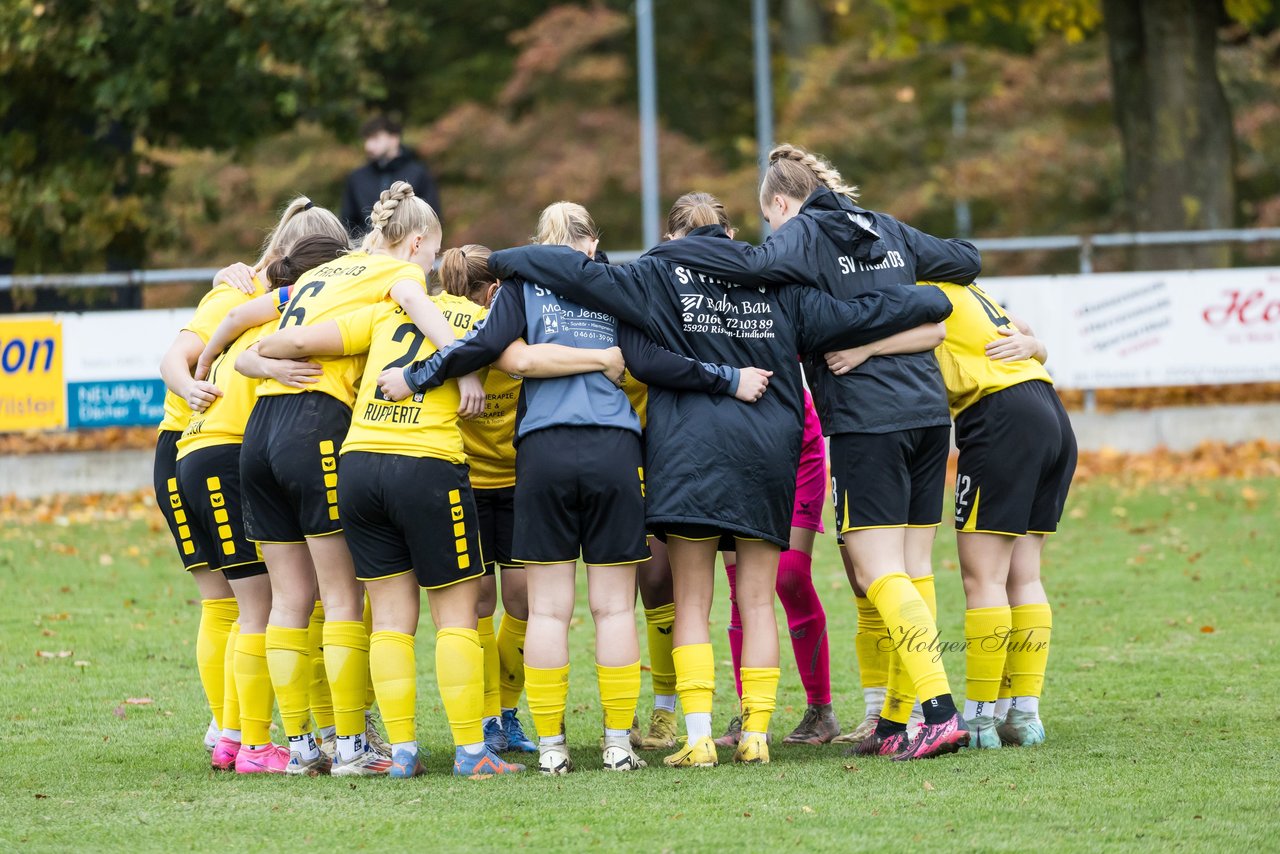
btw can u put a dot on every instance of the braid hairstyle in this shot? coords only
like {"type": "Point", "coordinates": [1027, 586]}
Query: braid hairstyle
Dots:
{"type": "Point", "coordinates": [307, 254]}
{"type": "Point", "coordinates": [694, 210]}
{"type": "Point", "coordinates": [464, 271]}
{"type": "Point", "coordinates": [795, 173]}
{"type": "Point", "coordinates": [397, 216]}
{"type": "Point", "coordinates": [301, 217]}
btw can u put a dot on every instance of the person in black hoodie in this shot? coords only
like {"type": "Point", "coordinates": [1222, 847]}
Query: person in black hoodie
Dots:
{"type": "Point", "coordinates": [720, 473]}
{"type": "Point", "coordinates": [887, 419]}
{"type": "Point", "coordinates": [389, 161]}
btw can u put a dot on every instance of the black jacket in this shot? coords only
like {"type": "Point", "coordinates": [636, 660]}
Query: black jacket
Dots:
{"type": "Point", "coordinates": [365, 184]}
{"type": "Point", "coordinates": [844, 250]}
{"type": "Point", "coordinates": [713, 460]}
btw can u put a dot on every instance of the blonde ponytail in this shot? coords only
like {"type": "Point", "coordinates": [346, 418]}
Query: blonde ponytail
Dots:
{"type": "Point", "coordinates": [398, 215]}
{"type": "Point", "coordinates": [300, 218]}
{"type": "Point", "coordinates": [464, 271]}
{"type": "Point", "coordinates": [565, 224]}
{"type": "Point", "coordinates": [694, 210]}
{"type": "Point", "coordinates": [795, 173]}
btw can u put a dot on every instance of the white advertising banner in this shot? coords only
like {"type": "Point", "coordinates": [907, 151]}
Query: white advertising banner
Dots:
{"type": "Point", "coordinates": [1115, 330]}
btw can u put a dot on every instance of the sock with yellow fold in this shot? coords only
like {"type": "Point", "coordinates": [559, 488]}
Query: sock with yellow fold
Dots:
{"type": "Point", "coordinates": [907, 617]}
{"type": "Point", "coordinates": [900, 692]}
{"type": "Point", "coordinates": [619, 693]}
{"type": "Point", "coordinates": [548, 692]}
{"type": "Point", "coordinates": [393, 669]}
{"type": "Point", "coordinates": [289, 662]}
{"type": "Point", "coordinates": [492, 668]}
{"type": "Point", "coordinates": [873, 654]}
{"type": "Point", "coordinates": [660, 624]}
{"type": "Point", "coordinates": [321, 698]}
{"type": "Point", "coordinates": [460, 677]}
{"type": "Point", "coordinates": [370, 697]}
{"type": "Point", "coordinates": [1029, 654]}
{"type": "Point", "coordinates": [346, 659]}
{"type": "Point", "coordinates": [759, 696]}
{"type": "Point", "coordinates": [230, 696]}
{"type": "Point", "coordinates": [253, 684]}
{"type": "Point", "coordinates": [510, 643]}
{"type": "Point", "coordinates": [696, 684]}
{"type": "Point", "coordinates": [216, 617]}
{"type": "Point", "coordinates": [986, 636]}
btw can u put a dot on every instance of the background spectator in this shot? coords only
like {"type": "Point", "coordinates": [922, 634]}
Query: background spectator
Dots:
{"type": "Point", "coordinates": [389, 161]}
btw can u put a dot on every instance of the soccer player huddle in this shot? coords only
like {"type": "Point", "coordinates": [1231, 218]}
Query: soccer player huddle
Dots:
{"type": "Point", "coordinates": [340, 435]}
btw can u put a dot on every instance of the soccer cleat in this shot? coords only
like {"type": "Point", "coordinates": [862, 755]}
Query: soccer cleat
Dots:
{"type": "Point", "coordinates": [915, 721]}
{"type": "Point", "coordinates": [878, 745]}
{"type": "Point", "coordinates": [516, 738]}
{"type": "Point", "coordinates": [732, 734]}
{"type": "Point", "coordinates": [316, 767]}
{"type": "Point", "coordinates": [373, 735]}
{"type": "Point", "coordinates": [224, 755]}
{"type": "Point", "coordinates": [699, 754]}
{"type": "Point", "coordinates": [486, 764]}
{"type": "Point", "coordinates": [662, 731]}
{"type": "Point", "coordinates": [265, 759]}
{"type": "Point", "coordinates": [554, 759]}
{"type": "Point", "coordinates": [860, 732]}
{"type": "Point", "coordinates": [752, 750]}
{"type": "Point", "coordinates": [633, 734]}
{"type": "Point", "coordinates": [328, 747]}
{"type": "Point", "coordinates": [936, 740]}
{"type": "Point", "coordinates": [818, 726]}
{"type": "Point", "coordinates": [406, 763]}
{"type": "Point", "coordinates": [982, 732]}
{"type": "Point", "coordinates": [1021, 729]}
{"type": "Point", "coordinates": [495, 737]}
{"type": "Point", "coordinates": [371, 763]}
{"type": "Point", "coordinates": [619, 755]}
{"type": "Point", "coordinates": [211, 736]}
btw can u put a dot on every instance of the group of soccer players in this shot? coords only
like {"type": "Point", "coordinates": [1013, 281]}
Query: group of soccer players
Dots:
{"type": "Point", "coordinates": [340, 435]}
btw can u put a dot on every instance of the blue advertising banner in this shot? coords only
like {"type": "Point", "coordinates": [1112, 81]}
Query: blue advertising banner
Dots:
{"type": "Point", "coordinates": [114, 403]}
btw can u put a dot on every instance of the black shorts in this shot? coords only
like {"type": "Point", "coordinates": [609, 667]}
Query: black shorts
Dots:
{"type": "Point", "coordinates": [410, 514]}
{"type": "Point", "coordinates": [580, 492]}
{"type": "Point", "coordinates": [1017, 457]}
{"type": "Point", "coordinates": [209, 479]}
{"type": "Point", "coordinates": [725, 540]}
{"type": "Point", "coordinates": [164, 475]}
{"type": "Point", "coordinates": [889, 480]}
{"type": "Point", "coordinates": [496, 511]}
{"type": "Point", "coordinates": [289, 467]}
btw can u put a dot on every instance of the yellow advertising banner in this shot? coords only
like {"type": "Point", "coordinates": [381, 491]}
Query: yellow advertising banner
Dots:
{"type": "Point", "coordinates": [32, 391]}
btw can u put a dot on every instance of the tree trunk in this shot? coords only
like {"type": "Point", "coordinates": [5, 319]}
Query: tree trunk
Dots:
{"type": "Point", "coordinates": [1175, 124]}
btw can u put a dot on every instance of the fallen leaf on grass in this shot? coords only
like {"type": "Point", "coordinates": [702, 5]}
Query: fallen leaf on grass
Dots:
{"type": "Point", "coordinates": [62, 653]}
{"type": "Point", "coordinates": [851, 767]}
{"type": "Point", "coordinates": [807, 810]}
{"type": "Point", "coordinates": [928, 787]}
{"type": "Point", "coordinates": [106, 559]}
{"type": "Point", "coordinates": [139, 701]}
{"type": "Point", "coordinates": [81, 663]}
{"type": "Point", "coordinates": [1208, 630]}
{"type": "Point", "coordinates": [118, 711]}
{"type": "Point", "coordinates": [40, 797]}
{"type": "Point", "coordinates": [48, 632]}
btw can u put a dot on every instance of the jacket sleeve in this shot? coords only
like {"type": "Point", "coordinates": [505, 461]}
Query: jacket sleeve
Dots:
{"type": "Point", "coordinates": [653, 364]}
{"type": "Point", "coordinates": [349, 213]}
{"type": "Point", "coordinates": [824, 323]}
{"type": "Point", "coordinates": [939, 260]}
{"type": "Point", "coordinates": [480, 347]}
{"type": "Point", "coordinates": [617, 290]}
{"type": "Point", "coordinates": [425, 186]}
{"type": "Point", "coordinates": [783, 259]}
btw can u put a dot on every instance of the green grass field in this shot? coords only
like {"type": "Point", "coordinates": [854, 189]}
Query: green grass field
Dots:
{"type": "Point", "coordinates": [1162, 707]}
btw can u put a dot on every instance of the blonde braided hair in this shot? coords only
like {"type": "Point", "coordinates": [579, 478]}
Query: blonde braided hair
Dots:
{"type": "Point", "coordinates": [795, 173]}
{"type": "Point", "coordinates": [398, 215]}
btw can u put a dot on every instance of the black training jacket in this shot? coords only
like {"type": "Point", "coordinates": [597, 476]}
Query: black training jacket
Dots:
{"type": "Point", "coordinates": [365, 184]}
{"type": "Point", "coordinates": [713, 460]}
{"type": "Point", "coordinates": [844, 250]}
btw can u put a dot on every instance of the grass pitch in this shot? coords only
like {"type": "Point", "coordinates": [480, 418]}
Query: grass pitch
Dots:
{"type": "Point", "coordinates": [1161, 707]}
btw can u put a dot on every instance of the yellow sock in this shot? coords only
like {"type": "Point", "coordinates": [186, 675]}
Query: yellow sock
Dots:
{"type": "Point", "coordinates": [925, 587]}
{"type": "Point", "coordinates": [986, 635]}
{"type": "Point", "coordinates": [321, 698]}
{"type": "Point", "coordinates": [548, 690]}
{"type": "Point", "coordinates": [869, 646]}
{"type": "Point", "coordinates": [230, 696]}
{"type": "Point", "coordinates": [492, 666]}
{"type": "Point", "coordinates": [216, 617]}
{"type": "Point", "coordinates": [289, 662]}
{"type": "Point", "coordinates": [907, 618]}
{"type": "Point", "coordinates": [393, 669]}
{"type": "Point", "coordinates": [510, 643]}
{"type": "Point", "coordinates": [460, 676]}
{"type": "Point", "coordinates": [899, 693]}
{"type": "Point", "coordinates": [1006, 683]}
{"type": "Point", "coordinates": [660, 623]}
{"type": "Point", "coordinates": [695, 677]}
{"type": "Point", "coordinates": [1029, 649]}
{"type": "Point", "coordinates": [370, 697]}
{"type": "Point", "coordinates": [619, 693]}
{"type": "Point", "coordinates": [253, 684]}
{"type": "Point", "coordinates": [759, 696]}
{"type": "Point", "coordinates": [346, 659]}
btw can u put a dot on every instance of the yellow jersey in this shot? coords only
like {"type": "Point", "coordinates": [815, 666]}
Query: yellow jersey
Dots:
{"type": "Point", "coordinates": [488, 437]}
{"type": "Point", "coordinates": [966, 369]}
{"type": "Point", "coordinates": [638, 393]}
{"type": "Point", "coordinates": [330, 292]}
{"type": "Point", "coordinates": [209, 313]}
{"type": "Point", "coordinates": [224, 421]}
{"type": "Point", "coordinates": [423, 425]}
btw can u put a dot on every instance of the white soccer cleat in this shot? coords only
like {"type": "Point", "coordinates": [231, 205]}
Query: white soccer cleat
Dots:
{"type": "Point", "coordinates": [554, 759]}
{"type": "Point", "coordinates": [618, 755]}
